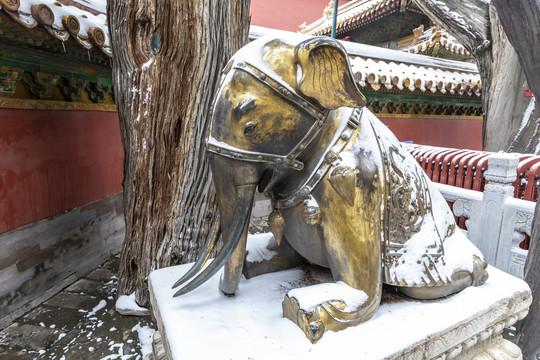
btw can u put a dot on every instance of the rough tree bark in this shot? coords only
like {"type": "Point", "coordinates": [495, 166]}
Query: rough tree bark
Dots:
{"type": "Point", "coordinates": [528, 328]}
{"type": "Point", "coordinates": [166, 65]}
{"type": "Point", "coordinates": [508, 125]}
{"type": "Point", "coordinates": [521, 23]}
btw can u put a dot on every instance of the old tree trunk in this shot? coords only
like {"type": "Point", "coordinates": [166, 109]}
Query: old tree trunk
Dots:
{"type": "Point", "coordinates": [521, 22]}
{"type": "Point", "coordinates": [510, 118]}
{"type": "Point", "coordinates": [166, 65]}
{"type": "Point", "coordinates": [511, 121]}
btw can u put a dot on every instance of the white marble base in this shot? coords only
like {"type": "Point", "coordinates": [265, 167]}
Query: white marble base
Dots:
{"type": "Point", "coordinates": [205, 324]}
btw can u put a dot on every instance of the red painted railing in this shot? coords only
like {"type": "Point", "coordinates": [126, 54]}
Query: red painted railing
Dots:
{"type": "Point", "coordinates": [466, 168]}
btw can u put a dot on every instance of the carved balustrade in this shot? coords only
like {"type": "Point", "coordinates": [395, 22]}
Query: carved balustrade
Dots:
{"type": "Point", "coordinates": [495, 221]}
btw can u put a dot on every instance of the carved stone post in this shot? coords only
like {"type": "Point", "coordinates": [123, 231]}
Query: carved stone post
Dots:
{"type": "Point", "coordinates": [486, 222]}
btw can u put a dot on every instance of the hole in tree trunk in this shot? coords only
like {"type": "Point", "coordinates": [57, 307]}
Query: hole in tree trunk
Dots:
{"type": "Point", "coordinates": [154, 43]}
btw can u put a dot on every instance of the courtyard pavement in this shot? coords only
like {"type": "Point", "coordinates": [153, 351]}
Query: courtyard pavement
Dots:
{"type": "Point", "coordinates": [79, 323]}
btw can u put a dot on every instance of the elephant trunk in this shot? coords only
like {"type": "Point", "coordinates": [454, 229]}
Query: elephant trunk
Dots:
{"type": "Point", "coordinates": [235, 209]}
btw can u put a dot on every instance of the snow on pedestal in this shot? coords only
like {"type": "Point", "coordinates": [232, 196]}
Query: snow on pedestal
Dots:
{"type": "Point", "coordinates": [205, 324]}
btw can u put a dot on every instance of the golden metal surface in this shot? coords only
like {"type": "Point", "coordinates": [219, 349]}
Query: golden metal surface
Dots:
{"type": "Point", "coordinates": [343, 180]}
{"type": "Point", "coordinates": [344, 196]}
{"type": "Point", "coordinates": [277, 225]}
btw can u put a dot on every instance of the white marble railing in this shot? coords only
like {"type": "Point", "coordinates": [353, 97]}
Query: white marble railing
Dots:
{"type": "Point", "coordinates": [496, 222]}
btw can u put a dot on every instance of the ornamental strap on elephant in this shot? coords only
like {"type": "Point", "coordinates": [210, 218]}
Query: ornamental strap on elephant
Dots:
{"type": "Point", "coordinates": [289, 120]}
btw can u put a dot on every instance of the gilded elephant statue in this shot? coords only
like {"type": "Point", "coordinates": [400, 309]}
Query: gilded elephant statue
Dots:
{"type": "Point", "coordinates": [289, 120]}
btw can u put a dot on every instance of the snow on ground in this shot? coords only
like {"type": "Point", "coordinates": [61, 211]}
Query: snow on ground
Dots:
{"type": "Point", "coordinates": [145, 338]}
{"type": "Point", "coordinates": [206, 324]}
{"type": "Point", "coordinates": [256, 248]}
{"type": "Point", "coordinates": [101, 305]}
{"type": "Point", "coordinates": [128, 303]}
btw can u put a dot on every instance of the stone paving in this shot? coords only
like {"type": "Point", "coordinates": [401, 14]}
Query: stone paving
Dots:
{"type": "Point", "coordinates": [79, 323]}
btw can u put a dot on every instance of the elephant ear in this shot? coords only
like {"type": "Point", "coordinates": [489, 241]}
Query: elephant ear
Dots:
{"type": "Point", "coordinates": [326, 74]}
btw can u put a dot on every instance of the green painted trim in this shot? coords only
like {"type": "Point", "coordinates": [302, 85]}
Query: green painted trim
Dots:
{"type": "Point", "coordinates": [38, 61]}
{"type": "Point", "coordinates": [415, 99]}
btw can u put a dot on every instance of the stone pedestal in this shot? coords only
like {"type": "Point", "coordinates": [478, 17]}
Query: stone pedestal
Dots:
{"type": "Point", "coordinates": [204, 324]}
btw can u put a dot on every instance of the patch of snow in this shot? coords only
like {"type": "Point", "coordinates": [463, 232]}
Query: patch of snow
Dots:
{"type": "Point", "coordinates": [311, 296]}
{"type": "Point", "coordinates": [86, 19]}
{"type": "Point", "coordinates": [389, 73]}
{"type": "Point", "coordinates": [98, 307]}
{"type": "Point", "coordinates": [311, 202]}
{"type": "Point", "coordinates": [145, 338]}
{"type": "Point", "coordinates": [524, 121]}
{"type": "Point", "coordinates": [348, 159]}
{"type": "Point", "coordinates": [429, 38]}
{"type": "Point", "coordinates": [256, 247]}
{"type": "Point", "coordinates": [127, 302]}
{"type": "Point", "coordinates": [148, 63]}
{"type": "Point", "coordinates": [99, 5]}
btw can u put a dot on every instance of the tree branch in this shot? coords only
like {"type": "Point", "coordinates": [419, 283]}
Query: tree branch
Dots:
{"type": "Point", "coordinates": [521, 23]}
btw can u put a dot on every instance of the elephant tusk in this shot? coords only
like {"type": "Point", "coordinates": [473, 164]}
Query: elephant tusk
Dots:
{"type": "Point", "coordinates": [228, 248]}
{"type": "Point", "coordinates": [208, 249]}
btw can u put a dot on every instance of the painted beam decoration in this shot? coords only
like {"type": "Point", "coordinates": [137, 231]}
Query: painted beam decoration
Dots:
{"type": "Point", "coordinates": [54, 53]}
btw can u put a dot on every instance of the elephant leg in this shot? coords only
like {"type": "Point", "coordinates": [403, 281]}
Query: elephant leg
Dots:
{"type": "Point", "coordinates": [265, 255]}
{"type": "Point", "coordinates": [460, 280]}
{"type": "Point", "coordinates": [352, 299]}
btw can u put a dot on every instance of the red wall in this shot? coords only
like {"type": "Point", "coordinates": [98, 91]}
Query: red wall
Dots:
{"type": "Point", "coordinates": [287, 14]}
{"type": "Point", "coordinates": [53, 161]}
{"type": "Point", "coordinates": [451, 132]}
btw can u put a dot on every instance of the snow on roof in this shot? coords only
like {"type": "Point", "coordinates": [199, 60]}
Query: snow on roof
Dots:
{"type": "Point", "coordinates": [353, 14]}
{"type": "Point", "coordinates": [380, 75]}
{"type": "Point", "coordinates": [85, 22]}
{"type": "Point", "coordinates": [382, 69]}
{"type": "Point", "coordinates": [433, 38]}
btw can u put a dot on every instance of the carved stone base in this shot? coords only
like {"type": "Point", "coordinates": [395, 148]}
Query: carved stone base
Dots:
{"type": "Point", "coordinates": [205, 324]}
{"type": "Point", "coordinates": [158, 348]}
{"type": "Point", "coordinates": [503, 349]}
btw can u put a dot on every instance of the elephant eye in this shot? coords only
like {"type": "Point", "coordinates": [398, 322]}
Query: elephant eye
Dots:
{"type": "Point", "coordinates": [249, 128]}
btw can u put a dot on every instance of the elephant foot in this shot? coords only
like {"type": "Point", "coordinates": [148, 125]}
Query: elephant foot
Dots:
{"type": "Point", "coordinates": [460, 280]}
{"type": "Point", "coordinates": [345, 307]}
{"type": "Point", "coordinates": [264, 256]}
